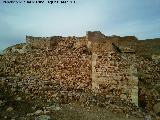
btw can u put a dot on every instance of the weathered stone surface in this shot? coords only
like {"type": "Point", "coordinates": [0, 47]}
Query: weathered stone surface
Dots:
{"type": "Point", "coordinates": [38, 112]}
{"type": "Point", "coordinates": [9, 109]}
{"type": "Point", "coordinates": [18, 99]}
{"type": "Point", "coordinates": [67, 69]}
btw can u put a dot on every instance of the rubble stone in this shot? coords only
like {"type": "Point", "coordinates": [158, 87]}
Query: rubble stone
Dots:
{"type": "Point", "coordinates": [93, 70]}
{"type": "Point", "coordinates": [9, 109]}
{"type": "Point", "coordinates": [38, 112]}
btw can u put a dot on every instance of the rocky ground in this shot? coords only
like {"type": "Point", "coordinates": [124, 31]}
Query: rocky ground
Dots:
{"type": "Point", "coordinates": [16, 105]}
{"type": "Point", "coordinates": [25, 110]}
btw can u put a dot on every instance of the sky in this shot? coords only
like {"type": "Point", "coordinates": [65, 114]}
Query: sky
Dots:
{"type": "Point", "coordinates": [140, 18]}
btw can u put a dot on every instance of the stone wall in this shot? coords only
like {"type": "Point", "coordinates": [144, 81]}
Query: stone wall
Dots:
{"type": "Point", "coordinates": [61, 66]}
{"type": "Point", "coordinates": [38, 42]}
{"type": "Point", "coordinates": [149, 82]}
{"type": "Point", "coordinates": [113, 74]}
{"type": "Point", "coordinates": [141, 47]}
{"type": "Point", "coordinates": [50, 42]}
{"type": "Point", "coordinates": [94, 62]}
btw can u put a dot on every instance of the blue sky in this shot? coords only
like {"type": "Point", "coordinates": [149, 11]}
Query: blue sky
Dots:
{"type": "Point", "coordinates": [112, 17]}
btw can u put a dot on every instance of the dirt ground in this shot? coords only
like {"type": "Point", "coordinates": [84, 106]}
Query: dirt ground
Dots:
{"type": "Point", "coordinates": [91, 113]}
{"type": "Point", "coordinates": [21, 111]}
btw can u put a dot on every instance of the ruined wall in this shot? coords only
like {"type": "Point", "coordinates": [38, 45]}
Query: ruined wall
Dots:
{"type": "Point", "coordinates": [113, 75]}
{"type": "Point", "coordinates": [96, 63]}
{"type": "Point", "coordinates": [50, 42]}
{"type": "Point", "coordinates": [141, 47]}
{"type": "Point", "coordinates": [38, 42]}
{"type": "Point", "coordinates": [103, 64]}
{"type": "Point", "coordinates": [98, 69]}
{"type": "Point", "coordinates": [63, 73]}
{"type": "Point", "coordinates": [113, 71]}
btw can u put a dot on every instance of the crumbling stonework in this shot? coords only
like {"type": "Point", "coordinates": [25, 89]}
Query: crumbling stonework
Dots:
{"type": "Point", "coordinates": [106, 70]}
{"type": "Point", "coordinates": [50, 42]}
{"type": "Point", "coordinates": [70, 68]}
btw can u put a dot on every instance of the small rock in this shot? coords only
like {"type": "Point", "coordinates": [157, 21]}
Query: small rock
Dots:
{"type": "Point", "coordinates": [9, 109]}
{"type": "Point", "coordinates": [22, 118]}
{"type": "Point", "coordinates": [138, 114]}
{"type": "Point", "coordinates": [54, 108]}
{"type": "Point", "coordinates": [1, 103]}
{"type": "Point", "coordinates": [30, 114]}
{"type": "Point", "coordinates": [147, 117]}
{"type": "Point", "coordinates": [18, 99]}
{"type": "Point", "coordinates": [38, 112]}
{"type": "Point", "coordinates": [45, 111]}
{"type": "Point", "coordinates": [34, 107]}
{"type": "Point", "coordinates": [127, 116]}
{"type": "Point", "coordinates": [13, 89]}
{"type": "Point", "coordinates": [43, 117]}
{"type": "Point", "coordinates": [57, 108]}
{"type": "Point", "coordinates": [48, 101]}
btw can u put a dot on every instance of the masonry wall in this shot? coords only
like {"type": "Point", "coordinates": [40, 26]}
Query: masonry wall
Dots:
{"type": "Point", "coordinates": [88, 69]}
{"type": "Point", "coordinates": [104, 64]}
{"type": "Point", "coordinates": [113, 66]}
{"type": "Point", "coordinates": [51, 42]}
{"type": "Point", "coordinates": [38, 42]}
{"type": "Point", "coordinates": [113, 74]}
{"type": "Point", "coordinates": [95, 63]}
